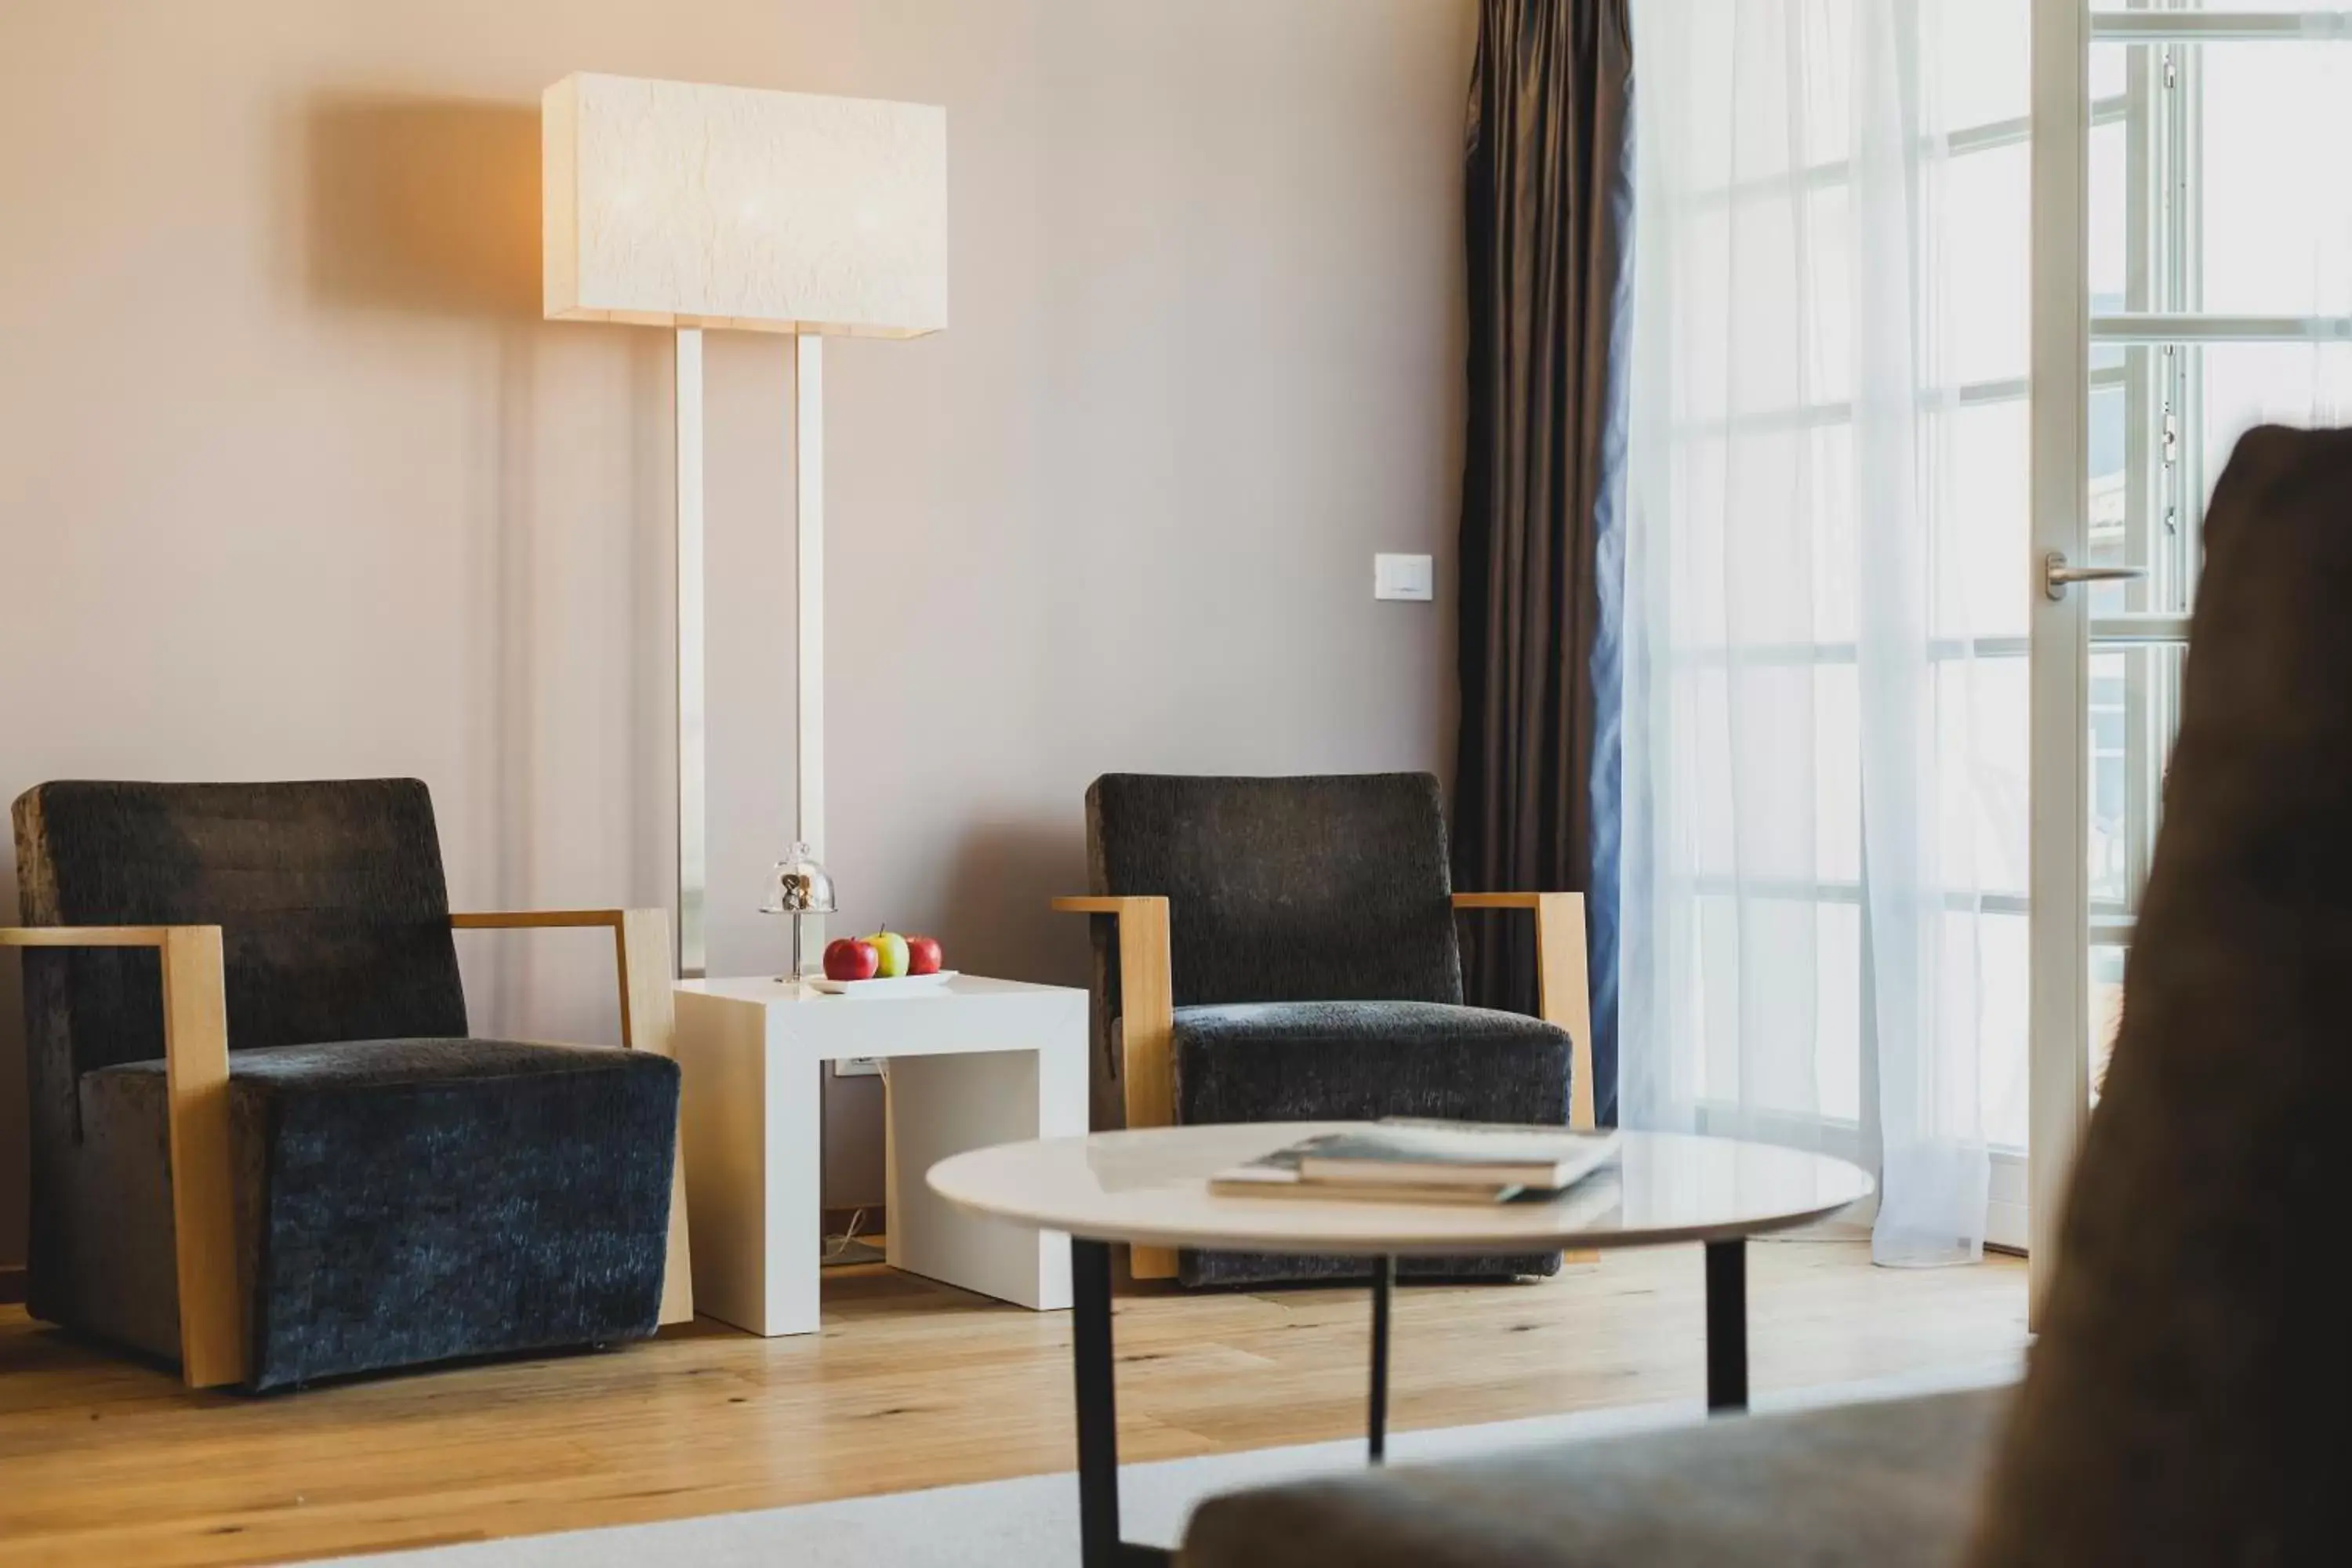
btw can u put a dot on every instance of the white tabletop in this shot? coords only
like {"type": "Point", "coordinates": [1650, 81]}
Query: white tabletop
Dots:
{"type": "Point", "coordinates": [769, 988]}
{"type": "Point", "coordinates": [1151, 1186]}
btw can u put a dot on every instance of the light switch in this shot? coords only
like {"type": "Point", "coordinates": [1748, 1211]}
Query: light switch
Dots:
{"type": "Point", "coordinates": [1403, 577]}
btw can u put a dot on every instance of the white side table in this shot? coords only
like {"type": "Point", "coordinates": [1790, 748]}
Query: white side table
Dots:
{"type": "Point", "coordinates": [974, 1063]}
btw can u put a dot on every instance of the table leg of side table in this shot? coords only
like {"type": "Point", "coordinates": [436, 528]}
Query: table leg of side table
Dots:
{"type": "Point", "coordinates": [752, 1136]}
{"type": "Point", "coordinates": [1727, 1325]}
{"type": "Point", "coordinates": [944, 1105]}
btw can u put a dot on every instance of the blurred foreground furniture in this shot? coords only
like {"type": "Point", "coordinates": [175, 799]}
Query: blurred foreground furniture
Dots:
{"type": "Point", "coordinates": [1283, 950]}
{"type": "Point", "coordinates": [357, 1185]}
{"type": "Point", "coordinates": [2185, 1404]}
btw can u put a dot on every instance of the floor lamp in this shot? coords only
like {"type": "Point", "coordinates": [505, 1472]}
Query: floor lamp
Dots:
{"type": "Point", "coordinates": [689, 206]}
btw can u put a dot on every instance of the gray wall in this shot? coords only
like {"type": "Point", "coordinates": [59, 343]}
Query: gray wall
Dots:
{"type": "Point", "coordinates": [295, 482]}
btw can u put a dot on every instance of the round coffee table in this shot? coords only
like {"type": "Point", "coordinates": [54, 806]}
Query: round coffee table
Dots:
{"type": "Point", "coordinates": [1150, 1188]}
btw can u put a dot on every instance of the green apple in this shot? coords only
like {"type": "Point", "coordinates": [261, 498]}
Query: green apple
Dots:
{"type": "Point", "coordinates": [891, 948]}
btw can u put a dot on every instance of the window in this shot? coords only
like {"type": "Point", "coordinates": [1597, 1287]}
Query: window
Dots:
{"type": "Point", "coordinates": [1753, 423]}
{"type": "Point", "coordinates": [2222, 281]}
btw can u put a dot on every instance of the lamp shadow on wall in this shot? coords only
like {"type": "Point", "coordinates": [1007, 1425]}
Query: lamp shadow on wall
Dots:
{"type": "Point", "coordinates": [428, 208]}
{"type": "Point", "coordinates": [423, 205]}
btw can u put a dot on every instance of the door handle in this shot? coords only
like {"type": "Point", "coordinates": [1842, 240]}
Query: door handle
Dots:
{"type": "Point", "coordinates": [2057, 575]}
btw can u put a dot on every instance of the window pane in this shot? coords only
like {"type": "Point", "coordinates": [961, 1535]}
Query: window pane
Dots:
{"type": "Point", "coordinates": [1787, 1038]}
{"type": "Point", "coordinates": [1984, 583]}
{"type": "Point", "coordinates": [2108, 70]}
{"type": "Point", "coordinates": [2110, 779]}
{"type": "Point", "coordinates": [2109, 249]}
{"type": "Point", "coordinates": [2246, 385]}
{"type": "Point", "coordinates": [1838, 1064]}
{"type": "Point", "coordinates": [1828, 294]}
{"type": "Point", "coordinates": [2107, 450]}
{"type": "Point", "coordinates": [1827, 102]}
{"type": "Point", "coordinates": [1752, 724]}
{"type": "Point", "coordinates": [1787, 730]}
{"type": "Point", "coordinates": [1835, 545]}
{"type": "Point", "coordinates": [2277, 240]}
{"type": "Point", "coordinates": [1769, 364]}
{"type": "Point", "coordinates": [1988, 234]}
{"type": "Point", "coordinates": [1983, 60]}
{"type": "Point", "coordinates": [1837, 751]}
{"type": "Point", "coordinates": [2111, 542]}
{"type": "Point", "coordinates": [1981, 772]}
{"type": "Point", "coordinates": [1787, 246]}
{"type": "Point", "coordinates": [1996, 946]}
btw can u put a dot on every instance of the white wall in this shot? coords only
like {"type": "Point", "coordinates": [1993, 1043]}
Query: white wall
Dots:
{"type": "Point", "coordinates": [295, 482]}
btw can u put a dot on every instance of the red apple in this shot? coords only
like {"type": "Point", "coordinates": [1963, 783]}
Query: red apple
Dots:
{"type": "Point", "coordinates": [851, 958]}
{"type": "Point", "coordinates": [923, 956]}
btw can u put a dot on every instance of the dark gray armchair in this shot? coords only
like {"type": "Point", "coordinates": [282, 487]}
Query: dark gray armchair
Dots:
{"type": "Point", "coordinates": [1284, 949]}
{"type": "Point", "coordinates": [356, 1186]}
{"type": "Point", "coordinates": [2185, 1403]}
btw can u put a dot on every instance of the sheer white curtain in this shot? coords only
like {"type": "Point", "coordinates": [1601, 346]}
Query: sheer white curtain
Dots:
{"type": "Point", "coordinates": [1803, 945]}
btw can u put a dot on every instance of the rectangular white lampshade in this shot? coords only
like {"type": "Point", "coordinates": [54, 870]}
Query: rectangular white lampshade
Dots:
{"type": "Point", "coordinates": [676, 203]}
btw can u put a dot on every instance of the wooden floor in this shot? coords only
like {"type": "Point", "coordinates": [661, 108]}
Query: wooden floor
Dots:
{"type": "Point", "coordinates": [910, 1385]}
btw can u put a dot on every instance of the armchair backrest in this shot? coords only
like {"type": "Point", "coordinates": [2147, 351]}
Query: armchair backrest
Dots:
{"type": "Point", "coordinates": [2185, 1403]}
{"type": "Point", "coordinates": [1287, 889]}
{"type": "Point", "coordinates": [333, 912]}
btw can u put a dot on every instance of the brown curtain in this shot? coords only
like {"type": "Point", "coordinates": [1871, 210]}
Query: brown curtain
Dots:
{"type": "Point", "coordinates": [1549, 224]}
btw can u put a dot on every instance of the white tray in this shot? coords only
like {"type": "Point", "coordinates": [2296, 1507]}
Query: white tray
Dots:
{"type": "Point", "coordinates": [896, 985]}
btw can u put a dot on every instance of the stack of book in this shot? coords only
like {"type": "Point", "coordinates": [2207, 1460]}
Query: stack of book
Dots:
{"type": "Point", "coordinates": [1405, 1162]}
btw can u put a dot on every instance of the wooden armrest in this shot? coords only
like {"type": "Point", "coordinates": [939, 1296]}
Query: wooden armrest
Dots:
{"type": "Point", "coordinates": [90, 936]}
{"type": "Point", "coordinates": [647, 1015]}
{"type": "Point", "coordinates": [1563, 983]}
{"type": "Point", "coordinates": [641, 952]}
{"type": "Point", "coordinates": [1147, 1003]}
{"type": "Point", "coordinates": [197, 1117]}
{"type": "Point", "coordinates": [1147, 1015]}
{"type": "Point", "coordinates": [528, 920]}
{"type": "Point", "coordinates": [1505, 900]}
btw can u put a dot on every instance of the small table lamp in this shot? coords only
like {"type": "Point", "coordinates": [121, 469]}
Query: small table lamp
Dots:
{"type": "Point", "coordinates": [677, 205]}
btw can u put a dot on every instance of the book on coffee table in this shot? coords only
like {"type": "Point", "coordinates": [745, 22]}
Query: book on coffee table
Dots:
{"type": "Point", "coordinates": [1424, 1162]}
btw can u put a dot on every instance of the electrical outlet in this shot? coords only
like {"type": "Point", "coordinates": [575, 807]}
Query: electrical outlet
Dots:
{"type": "Point", "coordinates": [1412, 577]}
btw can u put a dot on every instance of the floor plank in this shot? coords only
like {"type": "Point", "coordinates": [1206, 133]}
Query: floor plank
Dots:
{"type": "Point", "coordinates": [910, 1385]}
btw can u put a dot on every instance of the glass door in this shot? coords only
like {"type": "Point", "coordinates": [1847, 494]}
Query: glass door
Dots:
{"type": "Point", "coordinates": [2192, 277]}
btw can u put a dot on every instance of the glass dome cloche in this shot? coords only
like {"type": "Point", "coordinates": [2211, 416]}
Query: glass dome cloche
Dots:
{"type": "Point", "coordinates": [800, 886]}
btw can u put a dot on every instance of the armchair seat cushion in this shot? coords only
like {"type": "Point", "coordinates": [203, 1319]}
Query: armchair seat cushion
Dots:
{"type": "Point", "coordinates": [1324, 1061]}
{"type": "Point", "coordinates": [399, 1201]}
{"type": "Point", "coordinates": [1359, 1061]}
{"type": "Point", "coordinates": [1887, 1484]}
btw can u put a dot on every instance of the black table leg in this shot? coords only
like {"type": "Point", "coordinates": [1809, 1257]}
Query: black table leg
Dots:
{"type": "Point", "coordinates": [1376, 1428]}
{"type": "Point", "coordinates": [1099, 1545]}
{"type": "Point", "coordinates": [1727, 1325]}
